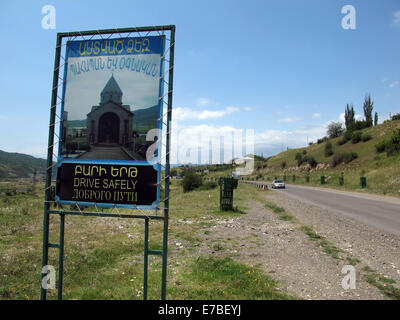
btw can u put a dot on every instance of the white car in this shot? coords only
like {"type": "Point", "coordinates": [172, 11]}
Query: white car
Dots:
{"type": "Point", "coordinates": [277, 184]}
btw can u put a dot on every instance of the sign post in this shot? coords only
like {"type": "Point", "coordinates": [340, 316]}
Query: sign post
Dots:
{"type": "Point", "coordinates": [111, 116]}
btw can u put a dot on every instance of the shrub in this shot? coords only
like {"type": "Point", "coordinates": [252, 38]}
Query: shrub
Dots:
{"type": "Point", "coordinates": [322, 140]}
{"type": "Point", "coordinates": [396, 116]}
{"type": "Point", "coordinates": [299, 158]}
{"type": "Point", "coordinates": [366, 137]}
{"type": "Point", "coordinates": [328, 149]}
{"type": "Point", "coordinates": [11, 192]}
{"type": "Point", "coordinates": [341, 141]}
{"type": "Point", "coordinates": [380, 147]}
{"type": "Point", "coordinates": [311, 161]}
{"type": "Point", "coordinates": [390, 146]}
{"type": "Point", "coordinates": [345, 157]}
{"type": "Point", "coordinates": [191, 181]}
{"type": "Point", "coordinates": [208, 186]}
{"type": "Point", "coordinates": [358, 125]}
{"type": "Point", "coordinates": [356, 138]}
{"type": "Point", "coordinates": [283, 164]}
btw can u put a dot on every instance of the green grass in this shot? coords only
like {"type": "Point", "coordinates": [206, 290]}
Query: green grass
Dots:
{"type": "Point", "coordinates": [223, 278]}
{"type": "Point", "coordinates": [353, 261]}
{"type": "Point", "coordinates": [384, 284]}
{"type": "Point", "coordinates": [282, 214]}
{"type": "Point", "coordinates": [104, 256]}
{"type": "Point", "coordinates": [328, 247]}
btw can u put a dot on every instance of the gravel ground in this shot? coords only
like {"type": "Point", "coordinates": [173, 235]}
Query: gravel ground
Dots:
{"type": "Point", "coordinates": [375, 248]}
{"type": "Point", "coordinates": [280, 248]}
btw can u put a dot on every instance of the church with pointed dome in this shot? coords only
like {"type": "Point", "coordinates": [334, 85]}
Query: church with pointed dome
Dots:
{"type": "Point", "coordinates": [110, 122]}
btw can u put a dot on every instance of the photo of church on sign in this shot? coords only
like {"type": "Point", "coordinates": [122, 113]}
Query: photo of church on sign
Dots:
{"type": "Point", "coordinates": [111, 130]}
{"type": "Point", "coordinates": [111, 98]}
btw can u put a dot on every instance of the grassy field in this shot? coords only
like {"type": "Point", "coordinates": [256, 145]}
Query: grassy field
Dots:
{"type": "Point", "coordinates": [104, 256]}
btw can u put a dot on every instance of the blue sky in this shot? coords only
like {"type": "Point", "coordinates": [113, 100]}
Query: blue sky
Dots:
{"type": "Point", "coordinates": [282, 68]}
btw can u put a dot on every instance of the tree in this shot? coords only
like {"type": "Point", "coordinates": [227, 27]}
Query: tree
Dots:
{"type": "Point", "coordinates": [191, 181]}
{"type": "Point", "coordinates": [376, 119]}
{"type": "Point", "coordinates": [335, 129]}
{"type": "Point", "coordinates": [368, 106]}
{"type": "Point", "coordinates": [349, 115]}
{"type": "Point", "coordinates": [328, 149]}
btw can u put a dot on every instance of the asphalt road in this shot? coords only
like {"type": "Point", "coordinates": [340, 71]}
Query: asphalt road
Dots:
{"type": "Point", "coordinates": [378, 211]}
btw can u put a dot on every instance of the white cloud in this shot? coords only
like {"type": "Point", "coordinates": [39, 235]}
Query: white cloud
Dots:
{"type": "Point", "coordinates": [191, 142]}
{"type": "Point", "coordinates": [396, 19]}
{"type": "Point", "coordinates": [289, 120]}
{"type": "Point", "coordinates": [272, 141]}
{"type": "Point", "coordinates": [248, 108]}
{"type": "Point", "coordinates": [356, 117]}
{"type": "Point", "coordinates": [316, 115]}
{"type": "Point", "coordinates": [393, 84]}
{"type": "Point", "coordinates": [182, 114]}
{"type": "Point", "coordinates": [204, 102]}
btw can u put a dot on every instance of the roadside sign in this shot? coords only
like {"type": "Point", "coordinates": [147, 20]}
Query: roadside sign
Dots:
{"type": "Point", "coordinates": [111, 127]}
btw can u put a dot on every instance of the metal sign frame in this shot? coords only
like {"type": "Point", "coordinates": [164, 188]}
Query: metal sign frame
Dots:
{"type": "Point", "coordinates": [52, 159]}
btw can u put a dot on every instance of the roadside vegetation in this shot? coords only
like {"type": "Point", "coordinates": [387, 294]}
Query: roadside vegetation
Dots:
{"type": "Point", "coordinates": [104, 256]}
{"type": "Point", "coordinates": [372, 152]}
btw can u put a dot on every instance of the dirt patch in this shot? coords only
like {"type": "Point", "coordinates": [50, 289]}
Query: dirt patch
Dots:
{"type": "Point", "coordinates": [281, 249]}
{"type": "Point", "coordinates": [377, 249]}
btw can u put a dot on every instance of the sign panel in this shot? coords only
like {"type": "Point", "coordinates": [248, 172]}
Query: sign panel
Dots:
{"type": "Point", "coordinates": [110, 108]}
{"type": "Point", "coordinates": [105, 183]}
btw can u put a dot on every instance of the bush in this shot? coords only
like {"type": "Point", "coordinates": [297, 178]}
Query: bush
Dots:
{"type": "Point", "coordinates": [391, 146]}
{"type": "Point", "coordinates": [396, 116]}
{"type": "Point", "coordinates": [341, 141]}
{"type": "Point", "coordinates": [322, 140]}
{"type": "Point", "coordinates": [366, 137]}
{"type": "Point", "coordinates": [356, 138]}
{"type": "Point", "coordinates": [345, 157]}
{"type": "Point", "coordinates": [380, 147]}
{"type": "Point", "coordinates": [328, 149]}
{"type": "Point", "coordinates": [208, 186]}
{"type": "Point", "coordinates": [283, 164]}
{"type": "Point", "coordinates": [191, 181]}
{"type": "Point", "coordinates": [311, 161]}
{"type": "Point", "coordinates": [358, 125]}
{"type": "Point", "coordinates": [299, 158]}
{"type": "Point", "coordinates": [11, 192]}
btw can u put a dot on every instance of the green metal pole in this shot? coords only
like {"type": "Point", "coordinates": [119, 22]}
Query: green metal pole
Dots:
{"type": "Point", "coordinates": [46, 219]}
{"type": "Point", "coordinates": [146, 257]}
{"type": "Point", "coordinates": [168, 142]}
{"type": "Point", "coordinates": [61, 256]}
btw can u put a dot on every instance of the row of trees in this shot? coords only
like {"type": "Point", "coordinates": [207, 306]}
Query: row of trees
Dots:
{"type": "Point", "coordinates": [368, 106]}
{"type": "Point", "coordinates": [335, 129]}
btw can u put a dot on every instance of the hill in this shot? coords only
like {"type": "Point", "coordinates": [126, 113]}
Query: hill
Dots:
{"type": "Point", "coordinates": [145, 119]}
{"type": "Point", "coordinates": [19, 165]}
{"type": "Point", "coordinates": [352, 158]}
